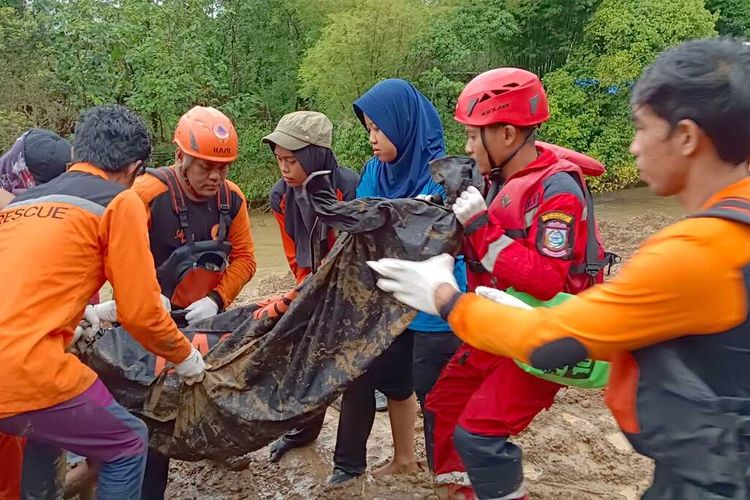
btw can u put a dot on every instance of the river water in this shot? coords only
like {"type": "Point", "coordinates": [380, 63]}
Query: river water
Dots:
{"type": "Point", "coordinates": [618, 206]}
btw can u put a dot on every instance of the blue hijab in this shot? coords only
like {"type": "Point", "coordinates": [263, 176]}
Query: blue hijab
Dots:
{"type": "Point", "coordinates": [413, 125]}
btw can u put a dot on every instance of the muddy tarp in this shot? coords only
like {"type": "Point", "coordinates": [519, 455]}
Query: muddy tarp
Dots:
{"type": "Point", "coordinates": [271, 373]}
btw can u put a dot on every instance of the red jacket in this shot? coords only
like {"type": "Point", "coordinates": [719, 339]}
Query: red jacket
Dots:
{"type": "Point", "coordinates": [535, 232]}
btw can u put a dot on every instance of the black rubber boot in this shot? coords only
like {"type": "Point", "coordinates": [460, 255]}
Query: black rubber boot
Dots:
{"type": "Point", "coordinates": [340, 476]}
{"type": "Point", "coordinates": [493, 464]}
{"type": "Point", "coordinates": [279, 448]}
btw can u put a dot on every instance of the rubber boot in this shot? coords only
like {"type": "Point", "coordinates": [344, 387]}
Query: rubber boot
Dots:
{"type": "Point", "coordinates": [493, 464]}
{"type": "Point", "coordinates": [340, 476]}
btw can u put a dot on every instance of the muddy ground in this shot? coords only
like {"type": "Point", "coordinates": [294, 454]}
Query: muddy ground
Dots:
{"type": "Point", "coordinates": [573, 451]}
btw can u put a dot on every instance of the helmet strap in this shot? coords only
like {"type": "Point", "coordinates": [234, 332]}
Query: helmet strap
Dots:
{"type": "Point", "coordinates": [496, 170]}
{"type": "Point", "coordinates": [192, 193]}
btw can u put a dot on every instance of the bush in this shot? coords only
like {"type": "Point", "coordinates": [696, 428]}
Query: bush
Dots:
{"type": "Point", "coordinates": [255, 170]}
{"type": "Point", "coordinates": [12, 125]}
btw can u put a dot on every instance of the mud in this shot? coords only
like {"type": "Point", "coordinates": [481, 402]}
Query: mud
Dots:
{"type": "Point", "coordinates": [573, 451]}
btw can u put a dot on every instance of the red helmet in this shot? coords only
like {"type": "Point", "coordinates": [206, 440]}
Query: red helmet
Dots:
{"type": "Point", "coordinates": [503, 95]}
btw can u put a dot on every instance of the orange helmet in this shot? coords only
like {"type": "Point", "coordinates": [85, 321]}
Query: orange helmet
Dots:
{"type": "Point", "coordinates": [207, 133]}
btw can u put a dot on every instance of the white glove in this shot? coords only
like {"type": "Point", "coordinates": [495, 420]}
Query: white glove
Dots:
{"type": "Point", "coordinates": [107, 311]}
{"type": "Point", "coordinates": [501, 297]}
{"type": "Point", "coordinates": [469, 204]}
{"type": "Point", "coordinates": [85, 331]}
{"type": "Point", "coordinates": [82, 333]}
{"type": "Point", "coordinates": [415, 283]}
{"type": "Point", "coordinates": [201, 309]}
{"type": "Point", "coordinates": [90, 315]}
{"type": "Point", "coordinates": [193, 369]}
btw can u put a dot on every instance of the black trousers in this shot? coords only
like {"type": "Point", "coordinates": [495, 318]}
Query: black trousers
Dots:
{"type": "Point", "coordinates": [42, 474]}
{"type": "Point", "coordinates": [156, 477]}
{"type": "Point", "coordinates": [391, 374]}
{"type": "Point", "coordinates": [432, 351]}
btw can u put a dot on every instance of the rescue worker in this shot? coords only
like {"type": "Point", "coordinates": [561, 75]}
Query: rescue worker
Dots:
{"type": "Point", "coordinates": [674, 321]}
{"type": "Point", "coordinates": [301, 144]}
{"type": "Point", "coordinates": [68, 236]}
{"type": "Point", "coordinates": [199, 233]}
{"type": "Point", "coordinates": [539, 237]}
{"type": "Point", "coordinates": [36, 157]}
{"type": "Point", "coordinates": [405, 134]}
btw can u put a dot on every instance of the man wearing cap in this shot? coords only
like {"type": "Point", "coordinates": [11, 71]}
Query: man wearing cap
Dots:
{"type": "Point", "coordinates": [38, 156]}
{"type": "Point", "coordinates": [301, 144]}
{"type": "Point", "coordinates": [199, 233]}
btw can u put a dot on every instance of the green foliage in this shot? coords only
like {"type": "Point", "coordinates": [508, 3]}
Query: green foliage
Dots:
{"type": "Point", "coordinates": [548, 32]}
{"type": "Point", "coordinates": [12, 125]}
{"type": "Point", "coordinates": [734, 16]}
{"type": "Point", "coordinates": [256, 171]}
{"type": "Point", "coordinates": [359, 47]}
{"type": "Point", "coordinates": [589, 95]}
{"type": "Point", "coordinates": [351, 144]}
{"type": "Point", "coordinates": [259, 59]}
{"type": "Point", "coordinates": [465, 39]}
{"type": "Point", "coordinates": [26, 73]}
{"type": "Point", "coordinates": [626, 35]}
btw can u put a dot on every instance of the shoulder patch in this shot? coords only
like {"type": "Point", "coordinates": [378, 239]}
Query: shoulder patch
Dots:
{"type": "Point", "coordinates": [555, 237]}
{"type": "Point", "coordinates": [566, 218]}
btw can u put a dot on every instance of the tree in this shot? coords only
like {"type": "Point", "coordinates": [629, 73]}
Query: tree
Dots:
{"type": "Point", "coordinates": [465, 39]}
{"type": "Point", "coordinates": [589, 95]}
{"type": "Point", "coordinates": [734, 16]}
{"type": "Point", "coordinates": [626, 35]}
{"type": "Point", "coordinates": [548, 32]}
{"type": "Point", "coordinates": [357, 48]}
{"type": "Point", "coordinates": [25, 77]}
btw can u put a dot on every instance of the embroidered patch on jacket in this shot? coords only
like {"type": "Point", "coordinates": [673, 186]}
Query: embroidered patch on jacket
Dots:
{"type": "Point", "coordinates": [555, 236]}
{"type": "Point", "coordinates": [505, 200]}
{"type": "Point", "coordinates": [562, 216]}
{"type": "Point", "coordinates": [532, 202]}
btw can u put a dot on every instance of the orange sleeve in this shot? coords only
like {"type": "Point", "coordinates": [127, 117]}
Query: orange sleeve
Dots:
{"type": "Point", "coordinates": [300, 273]}
{"type": "Point", "coordinates": [129, 267]}
{"type": "Point", "coordinates": [242, 264]}
{"type": "Point", "coordinates": [148, 187]}
{"type": "Point", "coordinates": [686, 280]}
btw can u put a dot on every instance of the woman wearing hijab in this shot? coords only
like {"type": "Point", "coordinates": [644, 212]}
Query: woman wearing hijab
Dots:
{"type": "Point", "coordinates": [38, 156]}
{"type": "Point", "coordinates": [301, 144]}
{"type": "Point", "coordinates": [405, 134]}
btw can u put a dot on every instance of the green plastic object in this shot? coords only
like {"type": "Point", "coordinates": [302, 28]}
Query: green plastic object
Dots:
{"type": "Point", "coordinates": [586, 374]}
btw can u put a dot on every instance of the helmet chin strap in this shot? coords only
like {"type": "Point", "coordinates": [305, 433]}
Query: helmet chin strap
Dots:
{"type": "Point", "coordinates": [496, 170]}
{"type": "Point", "coordinates": [182, 170]}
